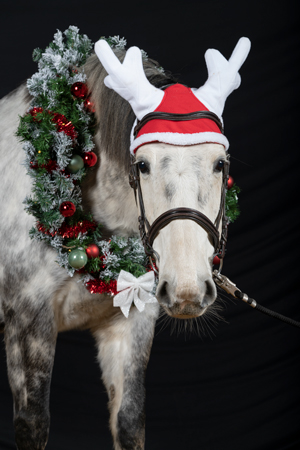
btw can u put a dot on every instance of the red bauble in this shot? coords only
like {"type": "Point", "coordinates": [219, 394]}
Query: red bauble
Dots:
{"type": "Point", "coordinates": [67, 209]}
{"type": "Point", "coordinates": [79, 90]}
{"type": "Point", "coordinates": [216, 261]}
{"type": "Point", "coordinates": [89, 105]}
{"type": "Point", "coordinates": [230, 182]}
{"type": "Point", "coordinates": [92, 251]}
{"type": "Point", "coordinates": [90, 159]}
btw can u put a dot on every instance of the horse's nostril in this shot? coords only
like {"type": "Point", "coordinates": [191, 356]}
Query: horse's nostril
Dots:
{"type": "Point", "coordinates": [163, 294]}
{"type": "Point", "coordinates": [210, 294]}
{"type": "Point", "coordinates": [210, 288]}
{"type": "Point", "coordinates": [163, 289]}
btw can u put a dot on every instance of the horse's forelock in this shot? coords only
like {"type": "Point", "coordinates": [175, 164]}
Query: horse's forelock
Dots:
{"type": "Point", "coordinates": [114, 114]}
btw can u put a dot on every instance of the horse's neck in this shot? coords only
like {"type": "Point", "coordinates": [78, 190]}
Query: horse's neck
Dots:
{"type": "Point", "coordinates": [108, 195]}
{"type": "Point", "coordinates": [106, 191]}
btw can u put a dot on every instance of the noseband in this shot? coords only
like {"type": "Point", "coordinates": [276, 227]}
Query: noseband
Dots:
{"type": "Point", "coordinates": [212, 229]}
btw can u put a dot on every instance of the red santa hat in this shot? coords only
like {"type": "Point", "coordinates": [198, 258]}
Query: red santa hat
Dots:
{"type": "Point", "coordinates": [179, 99]}
{"type": "Point", "coordinates": [129, 81]}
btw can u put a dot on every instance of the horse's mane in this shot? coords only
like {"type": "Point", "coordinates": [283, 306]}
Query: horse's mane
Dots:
{"type": "Point", "coordinates": [114, 114]}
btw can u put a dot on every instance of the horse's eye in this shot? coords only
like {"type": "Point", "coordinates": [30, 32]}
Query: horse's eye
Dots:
{"type": "Point", "coordinates": [144, 168]}
{"type": "Point", "coordinates": [220, 165]}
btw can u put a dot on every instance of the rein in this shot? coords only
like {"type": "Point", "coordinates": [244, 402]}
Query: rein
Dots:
{"type": "Point", "coordinates": [229, 287]}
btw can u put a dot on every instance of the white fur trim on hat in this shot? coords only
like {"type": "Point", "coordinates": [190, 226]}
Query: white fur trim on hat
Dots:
{"type": "Point", "coordinates": [180, 139]}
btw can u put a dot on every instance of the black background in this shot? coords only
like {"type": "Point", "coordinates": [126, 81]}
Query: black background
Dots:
{"type": "Point", "coordinates": [238, 389]}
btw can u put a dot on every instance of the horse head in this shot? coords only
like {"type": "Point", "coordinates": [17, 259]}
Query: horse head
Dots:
{"type": "Point", "coordinates": [179, 153]}
{"type": "Point", "coordinates": [175, 177]}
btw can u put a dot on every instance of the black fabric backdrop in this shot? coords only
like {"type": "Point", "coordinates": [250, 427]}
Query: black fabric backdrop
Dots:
{"type": "Point", "coordinates": [238, 389]}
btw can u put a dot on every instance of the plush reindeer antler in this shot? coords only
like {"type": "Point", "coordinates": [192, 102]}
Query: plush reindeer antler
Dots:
{"type": "Point", "coordinates": [129, 79]}
{"type": "Point", "coordinates": [223, 76]}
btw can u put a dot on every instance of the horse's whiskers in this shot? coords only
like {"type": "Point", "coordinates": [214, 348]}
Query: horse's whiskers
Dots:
{"type": "Point", "coordinates": [201, 326]}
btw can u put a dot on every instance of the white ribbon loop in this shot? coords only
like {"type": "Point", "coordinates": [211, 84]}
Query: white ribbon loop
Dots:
{"type": "Point", "coordinates": [136, 290]}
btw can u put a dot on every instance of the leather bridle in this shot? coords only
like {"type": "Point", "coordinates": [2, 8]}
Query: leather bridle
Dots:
{"type": "Point", "coordinates": [212, 229]}
{"type": "Point", "coordinates": [149, 232]}
{"type": "Point", "coordinates": [177, 118]}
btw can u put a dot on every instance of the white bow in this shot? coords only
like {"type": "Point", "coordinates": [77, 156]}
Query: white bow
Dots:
{"type": "Point", "coordinates": [132, 289]}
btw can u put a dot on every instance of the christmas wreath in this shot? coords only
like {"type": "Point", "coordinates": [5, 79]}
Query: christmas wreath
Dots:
{"type": "Point", "coordinates": [57, 134]}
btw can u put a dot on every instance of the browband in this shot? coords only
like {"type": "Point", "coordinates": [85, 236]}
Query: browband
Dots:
{"type": "Point", "coordinates": [177, 117]}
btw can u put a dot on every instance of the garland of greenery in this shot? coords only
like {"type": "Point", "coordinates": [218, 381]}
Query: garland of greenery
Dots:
{"type": "Point", "coordinates": [57, 135]}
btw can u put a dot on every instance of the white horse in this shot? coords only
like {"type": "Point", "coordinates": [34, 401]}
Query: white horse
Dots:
{"type": "Point", "coordinates": [39, 299]}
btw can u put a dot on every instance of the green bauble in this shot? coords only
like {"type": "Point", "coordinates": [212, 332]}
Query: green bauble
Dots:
{"type": "Point", "coordinates": [77, 258]}
{"type": "Point", "coordinates": [76, 164]}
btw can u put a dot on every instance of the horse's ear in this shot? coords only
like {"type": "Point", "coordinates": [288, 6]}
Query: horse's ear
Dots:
{"type": "Point", "coordinates": [129, 79]}
{"type": "Point", "coordinates": [223, 76]}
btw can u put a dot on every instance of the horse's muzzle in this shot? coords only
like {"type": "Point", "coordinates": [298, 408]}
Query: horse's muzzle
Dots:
{"type": "Point", "coordinates": [188, 311]}
{"type": "Point", "coordinates": [186, 302]}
